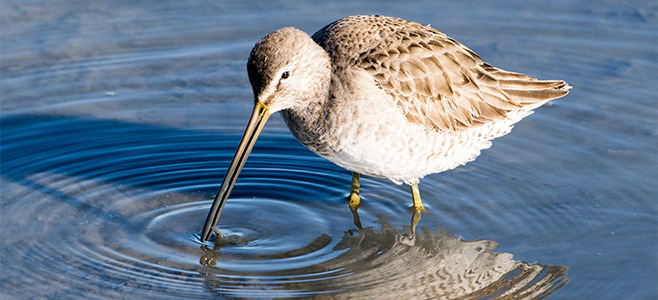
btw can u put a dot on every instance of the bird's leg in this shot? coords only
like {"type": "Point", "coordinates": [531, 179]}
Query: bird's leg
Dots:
{"type": "Point", "coordinates": [355, 199]}
{"type": "Point", "coordinates": [357, 219]}
{"type": "Point", "coordinates": [414, 221]}
{"type": "Point", "coordinates": [410, 239]}
{"type": "Point", "coordinates": [418, 205]}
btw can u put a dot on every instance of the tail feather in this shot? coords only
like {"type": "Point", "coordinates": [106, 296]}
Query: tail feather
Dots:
{"type": "Point", "coordinates": [530, 84]}
{"type": "Point", "coordinates": [525, 89]}
{"type": "Point", "coordinates": [537, 91]}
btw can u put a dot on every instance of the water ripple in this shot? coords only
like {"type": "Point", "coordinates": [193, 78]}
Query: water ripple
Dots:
{"type": "Point", "coordinates": [120, 215]}
{"type": "Point", "coordinates": [119, 120]}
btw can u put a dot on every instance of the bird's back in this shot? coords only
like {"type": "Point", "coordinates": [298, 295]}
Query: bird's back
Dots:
{"type": "Point", "coordinates": [439, 83]}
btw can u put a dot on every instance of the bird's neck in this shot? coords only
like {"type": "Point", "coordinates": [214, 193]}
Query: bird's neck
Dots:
{"type": "Point", "coordinates": [309, 124]}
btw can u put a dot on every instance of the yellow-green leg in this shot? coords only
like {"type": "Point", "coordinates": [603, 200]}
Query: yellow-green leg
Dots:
{"type": "Point", "coordinates": [355, 199]}
{"type": "Point", "coordinates": [414, 221]}
{"type": "Point", "coordinates": [418, 205]}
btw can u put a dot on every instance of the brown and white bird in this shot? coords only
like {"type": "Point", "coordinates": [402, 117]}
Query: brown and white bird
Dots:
{"type": "Point", "coordinates": [383, 97]}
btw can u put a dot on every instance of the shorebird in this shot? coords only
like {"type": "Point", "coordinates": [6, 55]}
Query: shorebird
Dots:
{"type": "Point", "coordinates": [383, 97]}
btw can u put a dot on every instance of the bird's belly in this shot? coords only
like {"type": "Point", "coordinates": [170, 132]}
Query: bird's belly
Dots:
{"type": "Point", "coordinates": [370, 135]}
{"type": "Point", "coordinates": [399, 151]}
{"type": "Point", "coordinates": [403, 152]}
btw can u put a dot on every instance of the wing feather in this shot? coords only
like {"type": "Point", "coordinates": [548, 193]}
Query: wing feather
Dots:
{"type": "Point", "coordinates": [438, 82]}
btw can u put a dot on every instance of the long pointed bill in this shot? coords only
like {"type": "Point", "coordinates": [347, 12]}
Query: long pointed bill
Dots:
{"type": "Point", "coordinates": [256, 124]}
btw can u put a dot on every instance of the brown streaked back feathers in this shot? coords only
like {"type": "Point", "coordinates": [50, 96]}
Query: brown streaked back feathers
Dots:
{"type": "Point", "coordinates": [438, 82]}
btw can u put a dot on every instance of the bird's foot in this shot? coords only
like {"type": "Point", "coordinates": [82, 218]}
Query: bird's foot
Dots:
{"type": "Point", "coordinates": [415, 208]}
{"type": "Point", "coordinates": [355, 201]}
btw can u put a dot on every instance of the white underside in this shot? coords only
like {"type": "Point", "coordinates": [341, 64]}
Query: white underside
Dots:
{"type": "Point", "coordinates": [375, 138]}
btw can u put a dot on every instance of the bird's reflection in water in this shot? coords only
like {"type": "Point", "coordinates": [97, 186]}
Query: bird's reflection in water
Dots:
{"type": "Point", "coordinates": [389, 263]}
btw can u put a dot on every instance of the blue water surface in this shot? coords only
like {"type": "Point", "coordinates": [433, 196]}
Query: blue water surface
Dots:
{"type": "Point", "coordinates": [119, 119]}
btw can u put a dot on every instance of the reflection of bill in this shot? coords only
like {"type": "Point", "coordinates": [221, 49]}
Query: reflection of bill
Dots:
{"type": "Point", "coordinates": [391, 264]}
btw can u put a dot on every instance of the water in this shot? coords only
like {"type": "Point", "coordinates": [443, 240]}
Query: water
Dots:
{"type": "Point", "coordinates": [119, 119]}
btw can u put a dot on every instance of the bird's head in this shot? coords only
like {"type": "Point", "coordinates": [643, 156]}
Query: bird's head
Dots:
{"type": "Point", "coordinates": [287, 70]}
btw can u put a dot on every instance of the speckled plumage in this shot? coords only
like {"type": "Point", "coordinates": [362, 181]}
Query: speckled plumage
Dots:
{"type": "Point", "coordinates": [383, 97]}
{"type": "Point", "coordinates": [396, 99]}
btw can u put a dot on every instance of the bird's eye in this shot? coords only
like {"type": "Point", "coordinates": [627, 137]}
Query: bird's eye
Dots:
{"type": "Point", "coordinates": [285, 75]}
